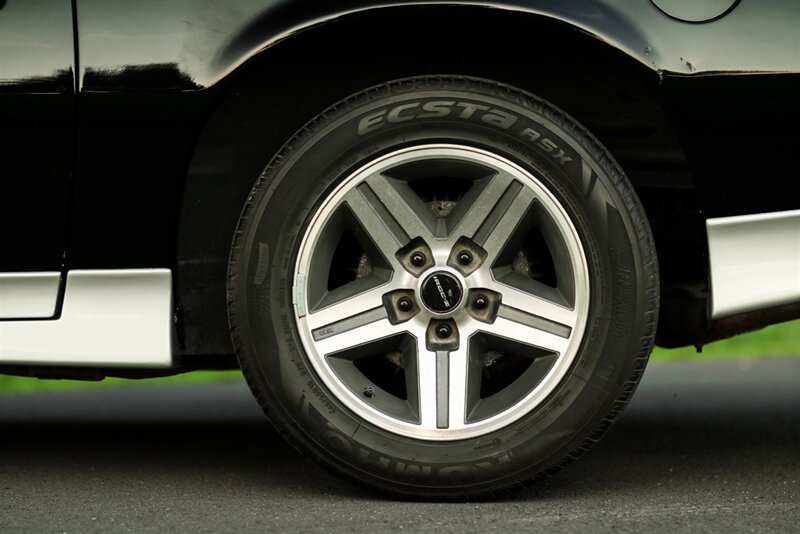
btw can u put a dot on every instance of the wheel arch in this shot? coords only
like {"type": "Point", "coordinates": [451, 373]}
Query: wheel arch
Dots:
{"type": "Point", "coordinates": [270, 26]}
{"type": "Point", "coordinates": [274, 86]}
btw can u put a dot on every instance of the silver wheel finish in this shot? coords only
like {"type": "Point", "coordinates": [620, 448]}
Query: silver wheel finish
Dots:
{"type": "Point", "coordinates": [524, 316]}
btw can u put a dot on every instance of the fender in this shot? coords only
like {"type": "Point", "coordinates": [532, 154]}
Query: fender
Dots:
{"type": "Point", "coordinates": [201, 43]}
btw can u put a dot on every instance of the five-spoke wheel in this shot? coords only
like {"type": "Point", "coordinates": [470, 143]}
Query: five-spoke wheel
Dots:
{"type": "Point", "coordinates": [441, 319]}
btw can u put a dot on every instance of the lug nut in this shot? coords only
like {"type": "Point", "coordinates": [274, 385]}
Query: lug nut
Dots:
{"type": "Point", "coordinates": [480, 302]}
{"type": "Point", "coordinates": [418, 259]}
{"type": "Point", "coordinates": [465, 257]}
{"type": "Point", "coordinates": [404, 304]}
{"type": "Point", "coordinates": [443, 331]}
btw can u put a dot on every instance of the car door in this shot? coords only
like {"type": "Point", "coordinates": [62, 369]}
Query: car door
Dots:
{"type": "Point", "coordinates": [37, 123]}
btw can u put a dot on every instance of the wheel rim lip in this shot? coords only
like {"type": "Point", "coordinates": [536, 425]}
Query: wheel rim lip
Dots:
{"type": "Point", "coordinates": [534, 398]}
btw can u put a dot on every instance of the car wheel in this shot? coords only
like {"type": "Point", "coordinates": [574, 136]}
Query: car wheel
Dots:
{"type": "Point", "coordinates": [443, 287]}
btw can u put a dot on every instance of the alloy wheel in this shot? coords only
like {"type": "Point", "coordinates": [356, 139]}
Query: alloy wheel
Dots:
{"type": "Point", "coordinates": [441, 292]}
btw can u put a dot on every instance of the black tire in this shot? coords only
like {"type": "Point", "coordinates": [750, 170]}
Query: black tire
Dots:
{"type": "Point", "coordinates": [577, 170]}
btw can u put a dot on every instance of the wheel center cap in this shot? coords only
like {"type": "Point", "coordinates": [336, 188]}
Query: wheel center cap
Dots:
{"type": "Point", "coordinates": [441, 292]}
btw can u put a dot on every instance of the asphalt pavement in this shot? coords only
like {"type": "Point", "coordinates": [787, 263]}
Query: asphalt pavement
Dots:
{"type": "Point", "coordinates": [703, 447]}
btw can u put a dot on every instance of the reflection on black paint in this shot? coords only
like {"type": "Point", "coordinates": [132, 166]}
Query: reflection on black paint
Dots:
{"type": "Point", "coordinates": [61, 81]}
{"type": "Point", "coordinates": [155, 76]}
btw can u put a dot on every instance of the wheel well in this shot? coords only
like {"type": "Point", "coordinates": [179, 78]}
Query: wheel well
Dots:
{"type": "Point", "coordinates": [271, 96]}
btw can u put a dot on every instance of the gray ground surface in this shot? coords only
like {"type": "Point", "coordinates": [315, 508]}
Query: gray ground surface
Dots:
{"type": "Point", "coordinates": [704, 446]}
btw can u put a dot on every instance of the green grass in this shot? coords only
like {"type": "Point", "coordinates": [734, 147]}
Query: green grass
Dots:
{"type": "Point", "coordinates": [19, 384]}
{"type": "Point", "coordinates": [776, 341]}
{"type": "Point", "coordinates": [781, 340]}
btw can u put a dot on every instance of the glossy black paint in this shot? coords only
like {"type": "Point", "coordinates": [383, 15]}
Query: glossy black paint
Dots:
{"type": "Point", "coordinates": [143, 65]}
{"type": "Point", "coordinates": [740, 133]}
{"type": "Point", "coordinates": [183, 103]}
{"type": "Point", "coordinates": [133, 158]}
{"type": "Point", "coordinates": [195, 44]}
{"type": "Point", "coordinates": [37, 120]}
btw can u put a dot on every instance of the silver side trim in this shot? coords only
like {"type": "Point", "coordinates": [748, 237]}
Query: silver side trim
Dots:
{"type": "Point", "coordinates": [110, 318]}
{"type": "Point", "coordinates": [755, 261]}
{"type": "Point", "coordinates": [29, 295]}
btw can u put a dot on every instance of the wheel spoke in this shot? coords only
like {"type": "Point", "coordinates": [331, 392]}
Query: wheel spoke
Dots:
{"type": "Point", "coordinates": [457, 398]}
{"type": "Point", "coordinates": [442, 387]}
{"type": "Point", "coordinates": [516, 300]}
{"type": "Point", "coordinates": [402, 205]}
{"type": "Point", "coordinates": [527, 333]}
{"type": "Point", "coordinates": [361, 305]}
{"type": "Point", "coordinates": [493, 237]}
{"type": "Point", "coordinates": [483, 203]}
{"type": "Point", "coordinates": [427, 384]}
{"type": "Point", "coordinates": [355, 337]}
{"type": "Point", "coordinates": [390, 217]}
{"type": "Point", "coordinates": [383, 230]}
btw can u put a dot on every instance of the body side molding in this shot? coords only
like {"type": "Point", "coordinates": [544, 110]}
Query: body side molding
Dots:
{"type": "Point", "coordinates": [755, 261]}
{"type": "Point", "coordinates": [29, 295]}
{"type": "Point", "coordinates": [110, 318]}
